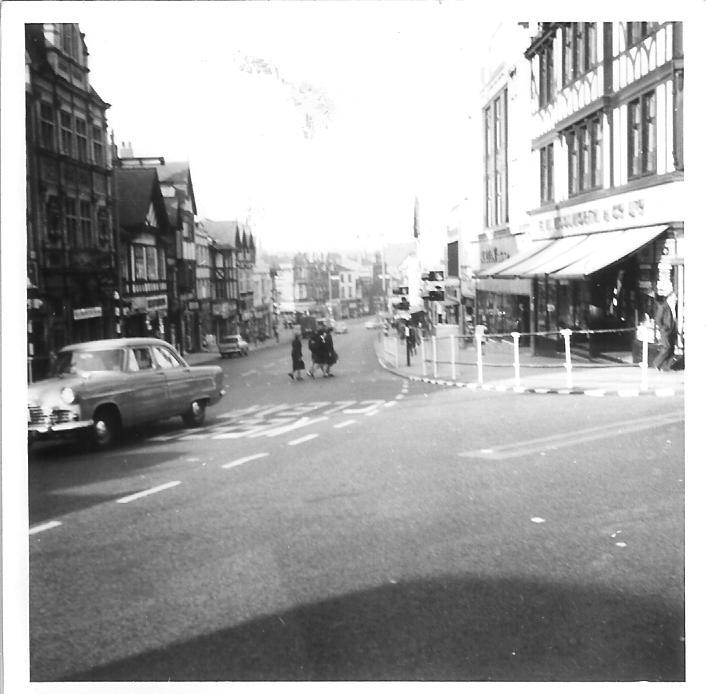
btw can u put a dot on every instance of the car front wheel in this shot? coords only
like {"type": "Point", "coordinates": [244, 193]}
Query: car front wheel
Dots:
{"type": "Point", "coordinates": [195, 415]}
{"type": "Point", "coordinates": [105, 430]}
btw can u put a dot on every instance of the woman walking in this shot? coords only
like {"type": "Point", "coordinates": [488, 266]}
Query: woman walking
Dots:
{"type": "Point", "coordinates": [297, 359]}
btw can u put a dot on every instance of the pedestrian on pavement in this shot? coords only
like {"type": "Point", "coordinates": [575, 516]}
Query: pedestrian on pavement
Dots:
{"type": "Point", "coordinates": [297, 360]}
{"type": "Point", "coordinates": [329, 352]}
{"type": "Point", "coordinates": [664, 319]}
{"type": "Point", "coordinates": [275, 333]}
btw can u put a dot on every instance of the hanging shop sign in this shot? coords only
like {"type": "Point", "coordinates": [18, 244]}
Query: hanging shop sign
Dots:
{"type": "Point", "coordinates": [88, 312]}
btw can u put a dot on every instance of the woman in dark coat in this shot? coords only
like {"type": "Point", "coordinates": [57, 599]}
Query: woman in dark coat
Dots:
{"type": "Point", "coordinates": [297, 359]}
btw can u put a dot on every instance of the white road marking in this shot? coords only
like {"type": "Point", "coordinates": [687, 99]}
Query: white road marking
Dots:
{"type": "Point", "coordinates": [246, 459]}
{"type": "Point", "coordinates": [347, 423]}
{"type": "Point", "coordinates": [308, 437]}
{"type": "Point", "coordinates": [340, 405]}
{"type": "Point", "coordinates": [569, 438]}
{"type": "Point", "coordinates": [147, 492]}
{"type": "Point", "coordinates": [399, 397]}
{"type": "Point", "coordinates": [371, 405]}
{"type": "Point", "coordinates": [194, 437]}
{"type": "Point", "coordinates": [390, 404]}
{"type": "Point", "coordinates": [240, 434]}
{"type": "Point", "coordinates": [269, 366]}
{"type": "Point", "coordinates": [44, 526]}
{"type": "Point", "coordinates": [249, 373]}
{"type": "Point", "coordinates": [304, 422]}
{"type": "Point", "coordinates": [274, 408]}
{"type": "Point", "coordinates": [164, 438]}
{"type": "Point", "coordinates": [372, 413]}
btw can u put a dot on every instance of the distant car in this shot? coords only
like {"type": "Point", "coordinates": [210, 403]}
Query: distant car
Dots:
{"type": "Point", "coordinates": [233, 345]}
{"type": "Point", "coordinates": [340, 328]}
{"type": "Point", "coordinates": [97, 388]}
{"type": "Point", "coordinates": [373, 324]}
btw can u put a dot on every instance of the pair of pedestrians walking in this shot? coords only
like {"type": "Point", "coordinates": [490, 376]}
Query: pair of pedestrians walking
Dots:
{"type": "Point", "coordinates": [323, 354]}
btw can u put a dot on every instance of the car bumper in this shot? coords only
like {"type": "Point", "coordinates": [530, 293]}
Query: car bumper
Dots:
{"type": "Point", "coordinates": [58, 429]}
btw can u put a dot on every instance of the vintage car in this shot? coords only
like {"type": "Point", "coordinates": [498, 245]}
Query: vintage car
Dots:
{"type": "Point", "coordinates": [233, 345]}
{"type": "Point", "coordinates": [99, 387]}
{"type": "Point", "coordinates": [340, 328]}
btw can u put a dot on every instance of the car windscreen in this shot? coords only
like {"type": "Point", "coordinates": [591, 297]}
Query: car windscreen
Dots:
{"type": "Point", "coordinates": [229, 341]}
{"type": "Point", "coordinates": [88, 361]}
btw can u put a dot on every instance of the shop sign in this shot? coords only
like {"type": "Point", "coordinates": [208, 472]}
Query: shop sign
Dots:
{"type": "Point", "coordinates": [193, 306]}
{"type": "Point", "coordinates": [90, 312]}
{"type": "Point", "coordinates": [497, 250]}
{"type": "Point", "coordinates": [157, 302]}
{"type": "Point", "coordinates": [612, 212]}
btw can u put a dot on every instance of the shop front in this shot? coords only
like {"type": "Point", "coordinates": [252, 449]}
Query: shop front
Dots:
{"type": "Point", "coordinates": [600, 270]}
{"type": "Point", "coordinates": [146, 316]}
{"type": "Point", "coordinates": [225, 318]}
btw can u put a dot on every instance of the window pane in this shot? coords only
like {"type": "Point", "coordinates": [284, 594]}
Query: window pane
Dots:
{"type": "Point", "coordinates": [650, 133]}
{"type": "Point", "coordinates": [151, 252]}
{"type": "Point", "coordinates": [139, 256]}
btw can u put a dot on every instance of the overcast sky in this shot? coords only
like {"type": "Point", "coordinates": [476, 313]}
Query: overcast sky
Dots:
{"type": "Point", "coordinates": [321, 121]}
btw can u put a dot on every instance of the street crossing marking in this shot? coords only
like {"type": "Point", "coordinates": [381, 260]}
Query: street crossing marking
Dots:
{"type": "Point", "coordinates": [146, 492]}
{"type": "Point", "coordinates": [44, 526]}
{"type": "Point", "coordinates": [347, 423]}
{"type": "Point", "coordinates": [304, 422]}
{"type": "Point", "coordinates": [340, 405]}
{"type": "Point", "coordinates": [569, 438]}
{"type": "Point", "coordinates": [390, 404]}
{"type": "Point", "coordinates": [308, 437]}
{"type": "Point", "coordinates": [246, 459]}
{"type": "Point", "coordinates": [372, 404]}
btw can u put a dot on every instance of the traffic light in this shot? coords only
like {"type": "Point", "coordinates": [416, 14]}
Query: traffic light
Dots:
{"type": "Point", "coordinates": [435, 276]}
{"type": "Point", "coordinates": [436, 295]}
{"type": "Point", "coordinates": [400, 290]}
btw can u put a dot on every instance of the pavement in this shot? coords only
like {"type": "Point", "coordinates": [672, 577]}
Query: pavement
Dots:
{"type": "Point", "coordinates": [601, 376]}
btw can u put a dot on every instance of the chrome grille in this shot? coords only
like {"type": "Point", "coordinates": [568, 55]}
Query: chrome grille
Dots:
{"type": "Point", "coordinates": [38, 416]}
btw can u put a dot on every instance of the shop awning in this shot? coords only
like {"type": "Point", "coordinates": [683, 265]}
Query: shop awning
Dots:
{"type": "Point", "coordinates": [601, 250]}
{"type": "Point", "coordinates": [575, 256]}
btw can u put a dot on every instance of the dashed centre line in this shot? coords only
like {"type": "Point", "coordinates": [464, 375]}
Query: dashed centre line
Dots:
{"type": "Point", "coordinates": [246, 459]}
{"type": "Point", "coordinates": [44, 526]}
{"type": "Point", "coordinates": [147, 492]}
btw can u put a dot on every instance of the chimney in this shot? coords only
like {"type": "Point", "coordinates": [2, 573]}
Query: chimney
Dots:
{"type": "Point", "coordinates": [126, 151]}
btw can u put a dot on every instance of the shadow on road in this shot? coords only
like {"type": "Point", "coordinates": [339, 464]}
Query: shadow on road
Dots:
{"type": "Point", "coordinates": [54, 473]}
{"type": "Point", "coordinates": [446, 629]}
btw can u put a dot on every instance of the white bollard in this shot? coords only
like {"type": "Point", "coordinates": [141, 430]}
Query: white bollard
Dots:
{"type": "Point", "coordinates": [480, 337]}
{"type": "Point", "coordinates": [433, 355]}
{"type": "Point", "coordinates": [453, 357]}
{"type": "Point", "coordinates": [642, 335]}
{"type": "Point", "coordinates": [424, 360]}
{"type": "Point", "coordinates": [567, 350]}
{"type": "Point", "coordinates": [516, 349]}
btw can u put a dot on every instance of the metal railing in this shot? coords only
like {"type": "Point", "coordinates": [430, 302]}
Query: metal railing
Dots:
{"type": "Point", "coordinates": [505, 351]}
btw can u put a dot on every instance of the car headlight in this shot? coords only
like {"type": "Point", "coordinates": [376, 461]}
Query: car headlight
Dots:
{"type": "Point", "coordinates": [67, 395]}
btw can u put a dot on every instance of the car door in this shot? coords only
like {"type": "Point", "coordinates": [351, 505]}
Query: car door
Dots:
{"type": "Point", "coordinates": [149, 385]}
{"type": "Point", "coordinates": [180, 383]}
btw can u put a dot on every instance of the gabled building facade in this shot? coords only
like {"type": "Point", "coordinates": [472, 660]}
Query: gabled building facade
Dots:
{"type": "Point", "coordinates": [146, 245]}
{"type": "Point", "coordinates": [71, 249]}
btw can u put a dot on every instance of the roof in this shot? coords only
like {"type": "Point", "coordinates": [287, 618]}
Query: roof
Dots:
{"type": "Point", "coordinates": [222, 232]}
{"type": "Point", "coordinates": [136, 189]}
{"type": "Point", "coordinates": [178, 173]}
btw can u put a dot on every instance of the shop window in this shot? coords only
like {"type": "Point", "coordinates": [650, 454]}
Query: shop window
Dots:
{"type": "Point", "coordinates": [546, 164]}
{"type": "Point", "coordinates": [86, 223]}
{"type": "Point", "coordinates": [103, 228]}
{"type": "Point", "coordinates": [642, 133]}
{"type": "Point", "coordinates": [46, 116]}
{"type": "Point", "coordinates": [53, 217]}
